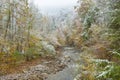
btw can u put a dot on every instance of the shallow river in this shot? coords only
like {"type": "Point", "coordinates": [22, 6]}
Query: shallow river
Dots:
{"type": "Point", "coordinates": [70, 56]}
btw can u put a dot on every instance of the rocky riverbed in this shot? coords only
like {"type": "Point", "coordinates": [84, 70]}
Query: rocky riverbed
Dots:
{"type": "Point", "coordinates": [63, 67]}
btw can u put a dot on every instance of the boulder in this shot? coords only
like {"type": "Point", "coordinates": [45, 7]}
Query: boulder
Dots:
{"type": "Point", "coordinates": [48, 48]}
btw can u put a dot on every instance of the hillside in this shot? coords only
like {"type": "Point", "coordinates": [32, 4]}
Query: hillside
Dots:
{"type": "Point", "coordinates": [60, 42]}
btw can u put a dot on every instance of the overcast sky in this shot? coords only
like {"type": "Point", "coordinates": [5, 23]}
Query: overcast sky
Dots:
{"type": "Point", "coordinates": [54, 6]}
{"type": "Point", "coordinates": [54, 3]}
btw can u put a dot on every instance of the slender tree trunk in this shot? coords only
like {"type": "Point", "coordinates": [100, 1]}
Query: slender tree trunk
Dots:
{"type": "Point", "coordinates": [8, 24]}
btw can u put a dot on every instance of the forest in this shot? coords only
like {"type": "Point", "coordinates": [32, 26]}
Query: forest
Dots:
{"type": "Point", "coordinates": [78, 44]}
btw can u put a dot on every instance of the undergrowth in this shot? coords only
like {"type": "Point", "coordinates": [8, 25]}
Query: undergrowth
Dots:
{"type": "Point", "coordinates": [13, 56]}
{"type": "Point", "coordinates": [101, 37]}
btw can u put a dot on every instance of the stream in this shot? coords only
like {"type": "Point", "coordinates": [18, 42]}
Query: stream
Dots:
{"type": "Point", "coordinates": [70, 57]}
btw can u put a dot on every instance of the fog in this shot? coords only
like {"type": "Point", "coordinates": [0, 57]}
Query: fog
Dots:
{"type": "Point", "coordinates": [54, 3]}
{"type": "Point", "coordinates": [53, 6]}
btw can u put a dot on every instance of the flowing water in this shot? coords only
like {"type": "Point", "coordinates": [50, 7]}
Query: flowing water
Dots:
{"type": "Point", "coordinates": [70, 57]}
